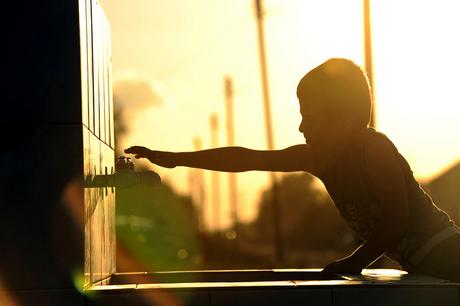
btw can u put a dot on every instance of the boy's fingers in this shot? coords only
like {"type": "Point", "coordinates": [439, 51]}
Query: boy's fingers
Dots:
{"type": "Point", "coordinates": [131, 149]}
{"type": "Point", "coordinates": [135, 149]}
{"type": "Point", "coordinates": [141, 152]}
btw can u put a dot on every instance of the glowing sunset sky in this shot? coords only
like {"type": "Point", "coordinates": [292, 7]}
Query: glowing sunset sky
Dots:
{"type": "Point", "coordinates": [183, 49]}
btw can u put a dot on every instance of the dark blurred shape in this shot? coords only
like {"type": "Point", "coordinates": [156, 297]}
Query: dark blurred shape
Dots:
{"type": "Point", "coordinates": [57, 119]}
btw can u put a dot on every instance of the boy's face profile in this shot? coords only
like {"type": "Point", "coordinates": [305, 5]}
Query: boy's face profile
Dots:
{"type": "Point", "coordinates": [312, 122]}
{"type": "Point", "coordinates": [317, 127]}
{"type": "Point", "coordinates": [335, 100]}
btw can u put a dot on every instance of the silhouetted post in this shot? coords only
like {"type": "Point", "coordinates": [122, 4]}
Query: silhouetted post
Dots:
{"type": "Point", "coordinates": [268, 126]}
{"type": "Point", "coordinates": [215, 182]}
{"type": "Point", "coordinates": [368, 61]}
{"type": "Point", "coordinates": [228, 87]}
{"type": "Point", "coordinates": [199, 186]}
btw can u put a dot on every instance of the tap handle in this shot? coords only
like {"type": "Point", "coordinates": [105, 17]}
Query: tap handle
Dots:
{"type": "Point", "coordinates": [124, 163]}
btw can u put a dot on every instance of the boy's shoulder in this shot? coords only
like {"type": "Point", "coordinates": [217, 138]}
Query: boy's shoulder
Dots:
{"type": "Point", "coordinates": [378, 142]}
{"type": "Point", "coordinates": [373, 135]}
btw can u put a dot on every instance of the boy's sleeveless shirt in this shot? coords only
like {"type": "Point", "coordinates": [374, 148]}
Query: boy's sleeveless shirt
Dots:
{"type": "Point", "coordinates": [353, 195]}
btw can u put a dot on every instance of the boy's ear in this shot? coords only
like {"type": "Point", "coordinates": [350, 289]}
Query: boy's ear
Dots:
{"type": "Point", "coordinates": [344, 124]}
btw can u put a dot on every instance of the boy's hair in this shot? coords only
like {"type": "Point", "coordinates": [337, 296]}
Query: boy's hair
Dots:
{"type": "Point", "coordinates": [339, 88]}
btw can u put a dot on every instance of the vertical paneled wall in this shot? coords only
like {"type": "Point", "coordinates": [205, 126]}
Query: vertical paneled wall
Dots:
{"type": "Point", "coordinates": [56, 127]}
{"type": "Point", "coordinates": [98, 141]}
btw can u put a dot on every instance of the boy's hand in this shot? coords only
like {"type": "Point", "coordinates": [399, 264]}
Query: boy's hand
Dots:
{"type": "Point", "coordinates": [163, 159]}
{"type": "Point", "coordinates": [343, 266]}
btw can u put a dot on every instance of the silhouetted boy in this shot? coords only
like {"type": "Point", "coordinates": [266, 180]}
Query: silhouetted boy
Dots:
{"type": "Point", "coordinates": [371, 184]}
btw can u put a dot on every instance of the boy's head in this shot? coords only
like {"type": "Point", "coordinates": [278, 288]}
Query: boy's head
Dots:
{"type": "Point", "coordinates": [338, 90]}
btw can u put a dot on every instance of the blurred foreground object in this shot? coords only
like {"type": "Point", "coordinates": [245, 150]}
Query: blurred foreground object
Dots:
{"type": "Point", "coordinates": [56, 238]}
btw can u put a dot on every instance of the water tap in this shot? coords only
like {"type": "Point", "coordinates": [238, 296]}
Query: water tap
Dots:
{"type": "Point", "coordinates": [124, 176]}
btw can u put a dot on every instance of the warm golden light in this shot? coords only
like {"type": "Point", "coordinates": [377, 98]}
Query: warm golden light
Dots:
{"type": "Point", "coordinates": [416, 65]}
{"type": "Point", "coordinates": [185, 53]}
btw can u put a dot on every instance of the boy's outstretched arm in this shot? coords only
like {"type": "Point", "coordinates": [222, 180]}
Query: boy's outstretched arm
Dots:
{"type": "Point", "coordinates": [232, 159]}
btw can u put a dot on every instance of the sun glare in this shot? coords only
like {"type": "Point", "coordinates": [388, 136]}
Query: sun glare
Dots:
{"type": "Point", "coordinates": [416, 76]}
{"type": "Point", "coordinates": [416, 68]}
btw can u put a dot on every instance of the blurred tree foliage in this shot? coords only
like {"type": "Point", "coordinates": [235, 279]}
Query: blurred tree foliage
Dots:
{"type": "Point", "coordinates": [158, 228]}
{"type": "Point", "coordinates": [308, 216]}
{"type": "Point", "coordinates": [312, 230]}
{"type": "Point", "coordinates": [313, 233]}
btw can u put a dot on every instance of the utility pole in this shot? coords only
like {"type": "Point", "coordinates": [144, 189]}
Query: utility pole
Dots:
{"type": "Point", "coordinates": [200, 190]}
{"type": "Point", "coordinates": [215, 181]}
{"type": "Point", "coordinates": [228, 88]}
{"type": "Point", "coordinates": [279, 255]}
{"type": "Point", "coordinates": [368, 60]}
